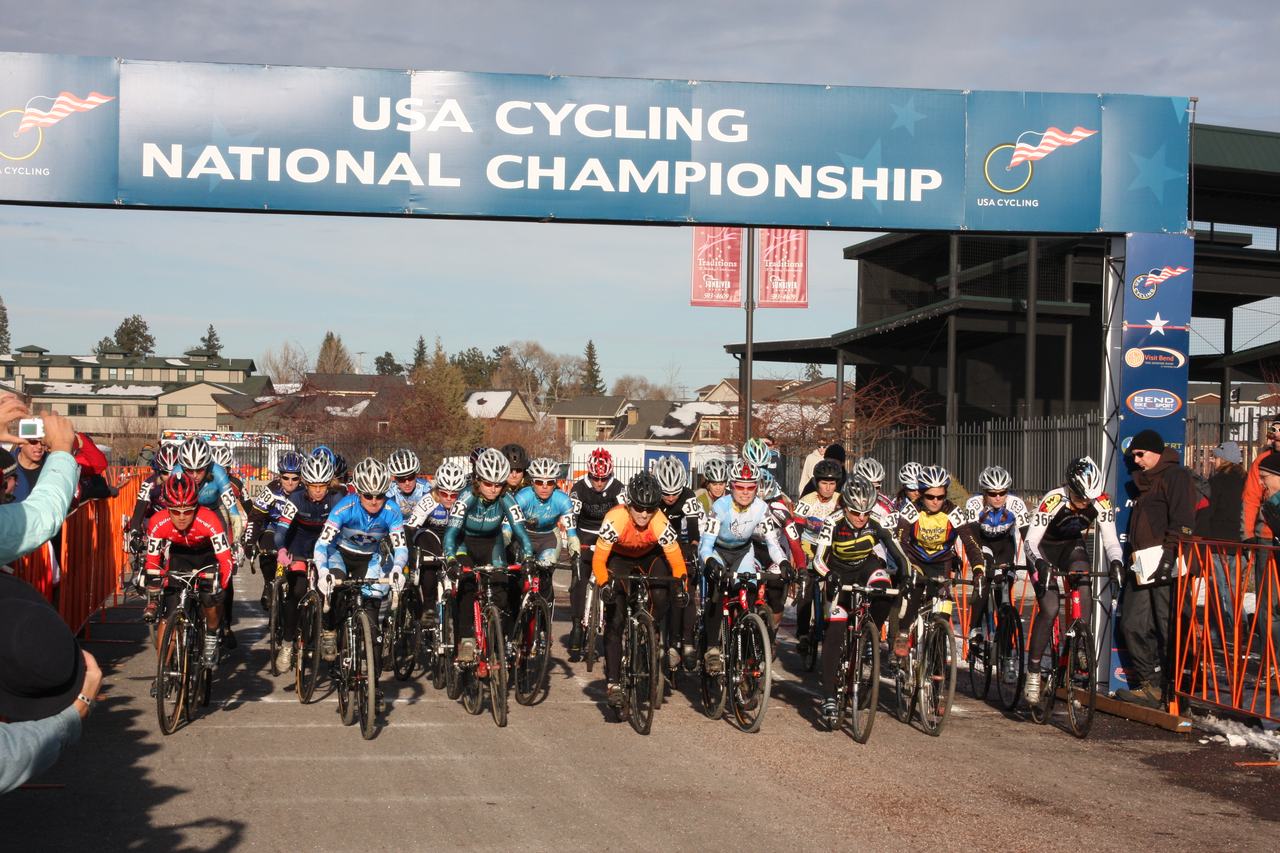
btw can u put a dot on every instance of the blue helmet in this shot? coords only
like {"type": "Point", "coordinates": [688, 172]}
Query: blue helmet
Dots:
{"type": "Point", "coordinates": [323, 450]}
{"type": "Point", "coordinates": [290, 463]}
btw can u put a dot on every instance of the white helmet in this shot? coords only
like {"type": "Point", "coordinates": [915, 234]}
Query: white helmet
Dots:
{"type": "Point", "coordinates": [317, 469]}
{"type": "Point", "coordinates": [756, 452]}
{"type": "Point", "coordinates": [371, 477]}
{"type": "Point", "coordinates": [715, 471]}
{"type": "Point", "coordinates": [1084, 477]}
{"type": "Point", "coordinates": [994, 479]}
{"type": "Point", "coordinates": [222, 455]}
{"type": "Point", "coordinates": [870, 470]}
{"type": "Point", "coordinates": [404, 463]}
{"type": "Point", "coordinates": [195, 454]}
{"type": "Point", "coordinates": [670, 474]}
{"type": "Point", "coordinates": [450, 477]}
{"type": "Point", "coordinates": [909, 475]}
{"type": "Point", "coordinates": [543, 468]}
{"type": "Point", "coordinates": [770, 489]}
{"type": "Point", "coordinates": [493, 465]}
{"type": "Point", "coordinates": [934, 477]}
{"type": "Point", "coordinates": [745, 472]}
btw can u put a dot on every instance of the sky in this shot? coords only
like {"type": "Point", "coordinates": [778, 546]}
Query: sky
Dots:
{"type": "Point", "coordinates": [71, 275]}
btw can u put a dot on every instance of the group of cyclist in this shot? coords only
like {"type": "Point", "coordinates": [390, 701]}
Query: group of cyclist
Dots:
{"type": "Point", "coordinates": [318, 523]}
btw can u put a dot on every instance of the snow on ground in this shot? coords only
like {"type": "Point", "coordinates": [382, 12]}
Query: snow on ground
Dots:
{"type": "Point", "coordinates": [1265, 738]}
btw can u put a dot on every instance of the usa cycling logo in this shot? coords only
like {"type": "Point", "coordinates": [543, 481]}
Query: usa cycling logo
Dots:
{"type": "Point", "coordinates": [1154, 402]}
{"type": "Point", "coordinates": [1144, 286]}
{"type": "Point", "coordinates": [22, 128]}
{"type": "Point", "coordinates": [1009, 166]}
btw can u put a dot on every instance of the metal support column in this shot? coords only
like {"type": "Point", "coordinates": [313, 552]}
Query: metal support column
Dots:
{"type": "Point", "coordinates": [1224, 387]}
{"type": "Point", "coordinates": [840, 396]}
{"type": "Point", "coordinates": [1068, 338]}
{"type": "Point", "coordinates": [744, 389]}
{"type": "Point", "coordinates": [1029, 390]}
{"type": "Point", "coordinates": [953, 401]}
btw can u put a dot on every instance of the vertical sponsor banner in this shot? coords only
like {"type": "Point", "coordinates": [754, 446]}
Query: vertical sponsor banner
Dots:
{"type": "Point", "coordinates": [784, 268]}
{"type": "Point", "coordinates": [1149, 352]}
{"type": "Point", "coordinates": [717, 267]}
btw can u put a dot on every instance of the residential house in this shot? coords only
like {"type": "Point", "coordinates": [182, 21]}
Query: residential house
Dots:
{"type": "Point", "coordinates": [590, 418]}
{"type": "Point", "coordinates": [499, 405]}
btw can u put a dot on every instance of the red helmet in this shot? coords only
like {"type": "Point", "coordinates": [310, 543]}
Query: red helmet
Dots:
{"type": "Point", "coordinates": [179, 490]}
{"type": "Point", "coordinates": [600, 464]}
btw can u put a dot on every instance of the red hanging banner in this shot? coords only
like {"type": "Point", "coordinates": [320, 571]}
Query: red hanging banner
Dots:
{"type": "Point", "coordinates": [784, 263]}
{"type": "Point", "coordinates": [717, 267]}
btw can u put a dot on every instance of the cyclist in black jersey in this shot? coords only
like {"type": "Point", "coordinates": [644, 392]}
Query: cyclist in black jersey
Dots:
{"type": "Point", "coordinates": [684, 513]}
{"type": "Point", "coordinates": [593, 496]}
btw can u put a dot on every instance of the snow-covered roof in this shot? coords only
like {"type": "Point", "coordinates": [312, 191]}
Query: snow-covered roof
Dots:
{"type": "Point", "coordinates": [176, 362]}
{"type": "Point", "coordinates": [352, 412]}
{"type": "Point", "coordinates": [687, 413]}
{"type": "Point", "coordinates": [86, 359]}
{"type": "Point", "coordinates": [101, 390]}
{"type": "Point", "coordinates": [287, 387]}
{"type": "Point", "coordinates": [485, 404]}
{"type": "Point", "coordinates": [666, 432]}
{"type": "Point", "coordinates": [5, 357]}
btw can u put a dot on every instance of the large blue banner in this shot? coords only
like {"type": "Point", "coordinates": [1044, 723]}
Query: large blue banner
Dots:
{"type": "Point", "coordinates": [1153, 344]}
{"type": "Point", "coordinates": [236, 137]}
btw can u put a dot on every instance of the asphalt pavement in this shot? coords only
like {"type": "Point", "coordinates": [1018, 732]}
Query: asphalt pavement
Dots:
{"type": "Point", "coordinates": [259, 771]}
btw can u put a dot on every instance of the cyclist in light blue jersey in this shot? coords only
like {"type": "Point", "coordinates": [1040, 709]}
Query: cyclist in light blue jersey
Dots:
{"type": "Point", "coordinates": [543, 506]}
{"type": "Point", "coordinates": [409, 488]}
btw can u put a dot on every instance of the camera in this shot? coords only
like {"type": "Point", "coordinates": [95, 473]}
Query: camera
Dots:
{"type": "Point", "coordinates": [31, 429]}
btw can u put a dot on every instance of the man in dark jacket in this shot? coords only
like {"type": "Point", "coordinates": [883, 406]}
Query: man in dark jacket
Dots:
{"type": "Point", "coordinates": [1162, 515]}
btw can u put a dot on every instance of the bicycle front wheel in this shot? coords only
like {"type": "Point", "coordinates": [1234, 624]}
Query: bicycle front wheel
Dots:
{"type": "Point", "coordinates": [497, 660]}
{"type": "Point", "coordinates": [712, 687]}
{"type": "Point", "coordinates": [1081, 682]}
{"type": "Point", "coordinates": [307, 647]}
{"type": "Point", "coordinates": [344, 671]}
{"type": "Point", "coordinates": [171, 673]}
{"type": "Point", "coordinates": [274, 619]}
{"type": "Point", "coordinates": [750, 671]}
{"type": "Point", "coordinates": [533, 651]}
{"type": "Point", "coordinates": [366, 675]}
{"type": "Point", "coordinates": [980, 660]}
{"type": "Point", "coordinates": [1010, 669]}
{"type": "Point", "coordinates": [405, 636]}
{"type": "Point", "coordinates": [937, 675]}
{"type": "Point", "coordinates": [862, 685]}
{"type": "Point", "coordinates": [643, 680]}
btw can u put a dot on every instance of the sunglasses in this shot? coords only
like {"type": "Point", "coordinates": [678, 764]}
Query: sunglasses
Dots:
{"type": "Point", "coordinates": [930, 497]}
{"type": "Point", "coordinates": [373, 496]}
{"type": "Point", "coordinates": [593, 478]}
{"type": "Point", "coordinates": [544, 482]}
{"type": "Point", "coordinates": [997, 494]}
{"type": "Point", "coordinates": [182, 512]}
{"type": "Point", "coordinates": [447, 495]}
{"type": "Point", "coordinates": [853, 513]}
{"type": "Point", "coordinates": [1138, 454]}
{"type": "Point", "coordinates": [408, 479]}
{"type": "Point", "coordinates": [289, 478]}
{"type": "Point", "coordinates": [744, 487]}
{"type": "Point", "coordinates": [643, 510]}
{"type": "Point", "coordinates": [491, 484]}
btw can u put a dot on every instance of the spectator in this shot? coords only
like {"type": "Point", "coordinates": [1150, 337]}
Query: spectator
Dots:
{"type": "Point", "coordinates": [1269, 470]}
{"type": "Point", "coordinates": [1255, 528]}
{"type": "Point", "coordinates": [1162, 515]}
{"type": "Point", "coordinates": [93, 484]}
{"type": "Point", "coordinates": [8, 476]}
{"type": "Point", "coordinates": [30, 463]}
{"type": "Point", "coordinates": [1221, 522]}
{"type": "Point", "coordinates": [814, 457]}
{"type": "Point", "coordinates": [48, 684]}
{"type": "Point", "coordinates": [28, 525]}
{"type": "Point", "coordinates": [833, 451]}
{"type": "Point", "coordinates": [145, 456]}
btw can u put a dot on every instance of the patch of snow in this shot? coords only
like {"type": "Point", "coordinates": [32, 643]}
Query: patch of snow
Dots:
{"type": "Point", "coordinates": [1238, 734]}
{"type": "Point", "coordinates": [87, 359]}
{"type": "Point", "coordinates": [666, 432]}
{"type": "Point", "coordinates": [5, 357]}
{"type": "Point", "coordinates": [176, 362]}
{"type": "Point", "coordinates": [130, 390]}
{"type": "Point", "coordinates": [265, 399]}
{"type": "Point", "coordinates": [352, 412]}
{"type": "Point", "coordinates": [487, 404]}
{"type": "Point", "coordinates": [288, 387]}
{"type": "Point", "coordinates": [687, 413]}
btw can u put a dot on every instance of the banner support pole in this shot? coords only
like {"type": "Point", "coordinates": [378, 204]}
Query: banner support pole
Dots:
{"type": "Point", "coordinates": [750, 305]}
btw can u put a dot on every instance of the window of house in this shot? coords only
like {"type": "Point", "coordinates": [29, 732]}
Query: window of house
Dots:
{"type": "Point", "coordinates": [176, 411]}
{"type": "Point", "coordinates": [95, 373]}
{"type": "Point", "coordinates": [148, 411]}
{"type": "Point", "coordinates": [182, 376]}
{"type": "Point", "coordinates": [44, 371]}
{"type": "Point", "coordinates": [8, 371]}
{"type": "Point", "coordinates": [199, 375]}
{"type": "Point", "coordinates": [41, 408]}
{"type": "Point", "coordinates": [77, 373]}
{"type": "Point", "coordinates": [77, 409]}
{"type": "Point", "coordinates": [111, 373]}
{"type": "Point", "coordinates": [128, 373]}
{"type": "Point", "coordinates": [112, 410]}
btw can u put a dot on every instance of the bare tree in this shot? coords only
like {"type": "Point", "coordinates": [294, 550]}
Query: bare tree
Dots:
{"type": "Point", "coordinates": [127, 435]}
{"type": "Point", "coordinates": [635, 387]}
{"type": "Point", "coordinates": [287, 363]}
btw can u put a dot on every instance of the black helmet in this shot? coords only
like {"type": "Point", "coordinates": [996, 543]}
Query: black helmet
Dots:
{"type": "Point", "coordinates": [516, 455]}
{"type": "Point", "coordinates": [827, 469]}
{"type": "Point", "coordinates": [643, 491]}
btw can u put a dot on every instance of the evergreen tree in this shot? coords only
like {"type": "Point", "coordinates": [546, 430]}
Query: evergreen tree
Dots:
{"type": "Point", "coordinates": [386, 365]}
{"type": "Point", "coordinates": [132, 335]}
{"type": "Point", "coordinates": [477, 368]}
{"type": "Point", "coordinates": [592, 383]}
{"type": "Point", "coordinates": [333, 356]}
{"type": "Point", "coordinates": [211, 342]}
{"type": "Point", "coordinates": [101, 346]}
{"type": "Point", "coordinates": [812, 372]}
{"type": "Point", "coordinates": [435, 405]}
{"type": "Point", "coordinates": [420, 353]}
{"type": "Point", "coordinates": [4, 327]}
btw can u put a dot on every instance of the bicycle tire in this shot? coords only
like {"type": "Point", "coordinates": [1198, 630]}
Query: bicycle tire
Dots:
{"type": "Point", "coordinates": [444, 674]}
{"type": "Point", "coordinates": [203, 674]}
{"type": "Point", "coordinates": [307, 647]}
{"type": "Point", "coordinates": [816, 628]}
{"type": "Point", "coordinates": [533, 651]}
{"type": "Point", "coordinates": [273, 624]}
{"type": "Point", "coordinates": [366, 674]}
{"type": "Point", "coordinates": [497, 659]}
{"type": "Point", "coordinates": [937, 683]}
{"type": "Point", "coordinates": [591, 637]}
{"type": "Point", "coordinates": [711, 688]}
{"type": "Point", "coordinates": [171, 676]}
{"type": "Point", "coordinates": [643, 680]}
{"type": "Point", "coordinates": [862, 685]}
{"type": "Point", "coordinates": [750, 671]}
{"type": "Point", "coordinates": [344, 668]}
{"type": "Point", "coordinates": [1081, 681]}
{"type": "Point", "coordinates": [1009, 658]}
{"type": "Point", "coordinates": [979, 660]}
{"type": "Point", "coordinates": [404, 637]}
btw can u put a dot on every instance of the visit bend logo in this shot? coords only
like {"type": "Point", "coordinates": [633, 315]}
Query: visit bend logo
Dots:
{"type": "Point", "coordinates": [1144, 286]}
{"type": "Point", "coordinates": [1154, 357]}
{"type": "Point", "coordinates": [1154, 402]}
{"type": "Point", "coordinates": [22, 128]}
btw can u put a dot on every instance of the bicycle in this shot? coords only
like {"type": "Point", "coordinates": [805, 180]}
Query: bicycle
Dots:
{"type": "Point", "coordinates": [1072, 665]}
{"type": "Point", "coordinates": [355, 671]}
{"type": "Point", "coordinates": [275, 615]}
{"type": "Point", "coordinates": [927, 682]}
{"type": "Point", "coordinates": [745, 679]}
{"type": "Point", "coordinates": [182, 678]}
{"type": "Point", "coordinates": [858, 674]}
{"type": "Point", "coordinates": [817, 626]}
{"type": "Point", "coordinates": [490, 664]}
{"type": "Point", "coordinates": [531, 640]}
{"type": "Point", "coordinates": [306, 654]}
{"type": "Point", "coordinates": [639, 673]}
{"type": "Point", "coordinates": [1000, 652]}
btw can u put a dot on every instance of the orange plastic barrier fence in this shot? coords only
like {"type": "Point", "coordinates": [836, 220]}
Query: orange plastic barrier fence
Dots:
{"type": "Point", "coordinates": [1226, 615]}
{"type": "Point", "coordinates": [1022, 596]}
{"type": "Point", "coordinates": [90, 553]}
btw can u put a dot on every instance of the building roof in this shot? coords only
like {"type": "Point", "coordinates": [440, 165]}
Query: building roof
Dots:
{"type": "Point", "coordinates": [649, 413]}
{"type": "Point", "coordinates": [681, 422]}
{"type": "Point", "coordinates": [491, 403]}
{"type": "Point", "coordinates": [128, 359]}
{"type": "Point", "coordinates": [351, 383]}
{"type": "Point", "coordinates": [589, 407]}
{"type": "Point", "coordinates": [1236, 148]}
